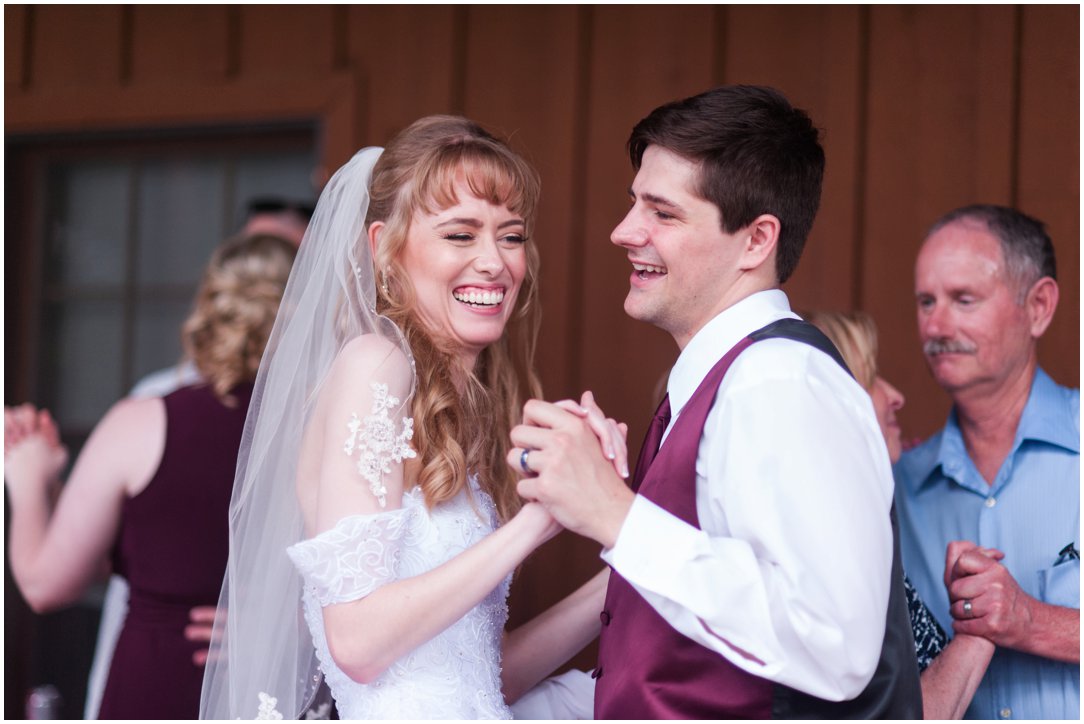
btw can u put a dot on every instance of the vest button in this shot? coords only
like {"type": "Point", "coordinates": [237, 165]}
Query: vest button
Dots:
{"type": "Point", "coordinates": [605, 618]}
{"type": "Point", "coordinates": [597, 673]}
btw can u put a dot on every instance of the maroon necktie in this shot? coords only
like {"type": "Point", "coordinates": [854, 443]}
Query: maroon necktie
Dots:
{"type": "Point", "coordinates": [652, 441]}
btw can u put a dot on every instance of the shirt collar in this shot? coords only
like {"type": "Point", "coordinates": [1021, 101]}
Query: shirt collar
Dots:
{"type": "Point", "coordinates": [1049, 417]}
{"type": "Point", "coordinates": [951, 452]}
{"type": "Point", "coordinates": [716, 338]}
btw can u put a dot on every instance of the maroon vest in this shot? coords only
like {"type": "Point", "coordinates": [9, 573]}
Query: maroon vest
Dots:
{"type": "Point", "coordinates": [647, 669]}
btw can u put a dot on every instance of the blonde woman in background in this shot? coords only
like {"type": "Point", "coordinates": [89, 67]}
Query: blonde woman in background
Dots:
{"type": "Point", "coordinates": [149, 493]}
{"type": "Point", "coordinates": [951, 670]}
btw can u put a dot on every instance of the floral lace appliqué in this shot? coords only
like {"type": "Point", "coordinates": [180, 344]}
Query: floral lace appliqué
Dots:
{"type": "Point", "coordinates": [267, 708]}
{"type": "Point", "coordinates": [375, 439]}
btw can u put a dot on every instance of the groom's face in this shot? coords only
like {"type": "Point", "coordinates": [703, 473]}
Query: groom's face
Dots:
{"type": "Point", "coordinates": [682, 260]}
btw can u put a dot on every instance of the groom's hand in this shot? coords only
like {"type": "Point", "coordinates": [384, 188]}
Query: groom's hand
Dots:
{"type": "Point", "coordinates": [574, 479]}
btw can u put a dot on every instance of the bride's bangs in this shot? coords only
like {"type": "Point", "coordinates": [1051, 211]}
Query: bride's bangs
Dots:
{"type": "Point", "coordinates": [490, 173]}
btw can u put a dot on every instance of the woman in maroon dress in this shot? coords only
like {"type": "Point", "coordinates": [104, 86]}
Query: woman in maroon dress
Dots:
{"type": "Point", "coordinates": [150, 490]}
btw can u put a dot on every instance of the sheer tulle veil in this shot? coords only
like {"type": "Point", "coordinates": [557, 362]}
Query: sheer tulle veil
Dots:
{"type": "Point", "coordinates": [263, 647]}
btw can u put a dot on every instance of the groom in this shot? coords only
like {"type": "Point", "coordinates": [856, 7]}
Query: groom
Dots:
{"type": "Point", "coordinates": [755, 567]}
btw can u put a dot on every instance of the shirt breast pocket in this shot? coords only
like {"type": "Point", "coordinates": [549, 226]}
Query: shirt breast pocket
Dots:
{"type": "Point", "coordinates": [1060, 584]}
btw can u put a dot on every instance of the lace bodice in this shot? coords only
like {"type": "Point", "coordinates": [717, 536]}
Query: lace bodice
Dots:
{"type": "Point", "coordinates": [455, 675]}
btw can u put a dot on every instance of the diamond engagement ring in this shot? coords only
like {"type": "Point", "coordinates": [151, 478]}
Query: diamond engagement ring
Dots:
{"type": "Point", "coordinates": [523, 462]}
{"type": "Point", "coordinates": [967, 608]}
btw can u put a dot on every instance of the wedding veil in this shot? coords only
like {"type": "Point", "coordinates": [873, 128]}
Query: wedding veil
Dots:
{"type": "Point", "coordinates": [263, 660]}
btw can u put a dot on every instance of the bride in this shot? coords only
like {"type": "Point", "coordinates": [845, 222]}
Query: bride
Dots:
{"type": "Point", "coordinates": [371, 484]}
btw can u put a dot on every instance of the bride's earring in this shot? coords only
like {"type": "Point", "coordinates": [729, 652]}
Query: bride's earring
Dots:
{"type": "Point", "coordinates": [384, 281]}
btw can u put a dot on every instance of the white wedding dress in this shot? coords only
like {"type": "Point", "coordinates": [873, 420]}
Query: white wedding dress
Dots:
{"type": "Point", "coordinates": [455, 675]}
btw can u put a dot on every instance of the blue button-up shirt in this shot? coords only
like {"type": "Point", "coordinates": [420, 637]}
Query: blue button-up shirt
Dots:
{"type": "Point", "coordinates": [1031, 512]}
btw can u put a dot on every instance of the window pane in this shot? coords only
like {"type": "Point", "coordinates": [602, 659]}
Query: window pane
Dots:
{"type": "Point", "coordinates": [181, 208]}
{"type": "Point", "coordinates": [158, 336]}
{"type": "Point", "coordinates": [286, 175]}
{"type": "Point", "coordinates": [88, 222]}
{"type": "Point", "coordinates": [82, 359]}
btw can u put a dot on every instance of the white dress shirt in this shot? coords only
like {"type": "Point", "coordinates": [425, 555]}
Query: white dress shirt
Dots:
{"type": "Point", "coordinates": [570, 695]}
{"type": "Point", "coordinates": [788, 576]}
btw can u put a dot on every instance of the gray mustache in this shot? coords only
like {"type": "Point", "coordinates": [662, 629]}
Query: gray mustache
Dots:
{"type": "Point", "coordinates": [947, 346]}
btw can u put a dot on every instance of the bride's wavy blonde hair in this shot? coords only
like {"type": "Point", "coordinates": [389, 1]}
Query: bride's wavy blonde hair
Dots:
{"type": "Point", "coordinates": [457, 432]}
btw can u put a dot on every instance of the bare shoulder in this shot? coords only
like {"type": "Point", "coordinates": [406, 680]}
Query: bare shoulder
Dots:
{"type": "Point", "coordinates": [371, 357]}
{"type": "Point", "coordinates": [370, 376]}
{"type": "Point", "coordinates": [126, 445]}
{"type": "Point", "coordinates": [372, 349]}
{"type": "Point", "coordinates": [135, 415]}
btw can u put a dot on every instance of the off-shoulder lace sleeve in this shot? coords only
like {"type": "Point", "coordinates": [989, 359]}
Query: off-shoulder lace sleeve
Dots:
{"type": "Point", "coordinates": [377, 443]}
{"type": "Point", "coordinates": [356, 557]}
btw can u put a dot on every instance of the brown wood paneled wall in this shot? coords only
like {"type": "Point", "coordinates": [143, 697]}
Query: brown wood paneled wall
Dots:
{"type": "Point", "coordinates": [923, 109]}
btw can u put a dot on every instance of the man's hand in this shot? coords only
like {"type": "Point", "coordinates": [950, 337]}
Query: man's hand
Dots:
{"type": "Point", "coordinates": [957, 548]}
{"type": "Point", "coordinates": [985, 600]}
{"type": "Point", "coordinates": [575, 481]}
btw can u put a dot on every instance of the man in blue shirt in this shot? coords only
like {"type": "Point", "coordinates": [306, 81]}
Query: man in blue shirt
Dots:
{"type": "Point", "coordinates": [1004, 472]}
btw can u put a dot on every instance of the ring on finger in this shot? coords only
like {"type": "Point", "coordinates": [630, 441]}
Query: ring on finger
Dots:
{"type": "Point", "coordinates": [968, 608]}
{"type": "Point", "coordinates": [523, 463]}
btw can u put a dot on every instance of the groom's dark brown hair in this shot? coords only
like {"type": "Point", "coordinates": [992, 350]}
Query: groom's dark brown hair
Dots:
{"type": "Point", "coordinates": [757, 155]}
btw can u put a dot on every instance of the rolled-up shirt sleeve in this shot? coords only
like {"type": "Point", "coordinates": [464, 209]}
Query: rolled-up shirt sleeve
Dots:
{"type": "Point", "coordinates": [788, 575]}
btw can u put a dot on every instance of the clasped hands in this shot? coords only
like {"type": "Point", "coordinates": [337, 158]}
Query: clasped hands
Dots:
{"type": "Point", "coordinates": [985, 600]}
{"type": "Point", "coordinates": [33, 453]}
{"type": "Point", "coordinates": [579, 461]}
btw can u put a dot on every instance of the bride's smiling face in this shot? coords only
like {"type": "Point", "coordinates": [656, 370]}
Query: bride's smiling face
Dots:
{"type": "Point", "coordinates": [466, 263]}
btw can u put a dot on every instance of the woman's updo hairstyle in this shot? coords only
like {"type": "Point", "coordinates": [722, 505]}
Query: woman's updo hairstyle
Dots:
{"type": "Point", "coordinates": [235, 308]}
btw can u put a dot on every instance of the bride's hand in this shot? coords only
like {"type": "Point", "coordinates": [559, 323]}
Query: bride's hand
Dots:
{"type": "Point", "coordinates": [612, 435]}
{"type": "Point", "coordinates": [537, 518]}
